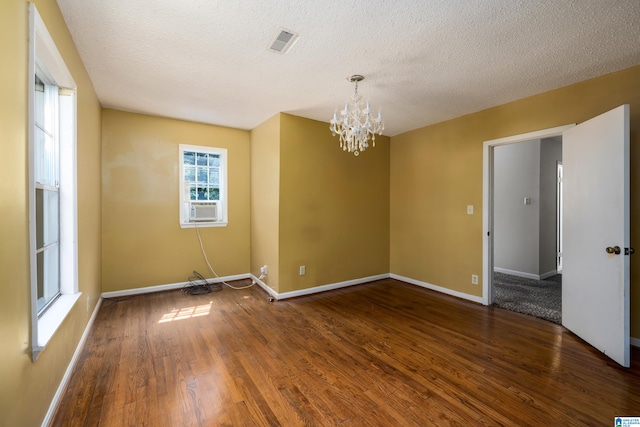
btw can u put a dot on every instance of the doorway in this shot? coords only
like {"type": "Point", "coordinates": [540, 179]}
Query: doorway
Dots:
{"type": "Point", "coordinates": [527, 202]}
{"type": "Point", "coordinates": [525, 230]}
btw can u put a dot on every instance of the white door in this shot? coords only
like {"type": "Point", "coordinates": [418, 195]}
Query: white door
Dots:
{"type": "Point", "coordinates": [595, 283]}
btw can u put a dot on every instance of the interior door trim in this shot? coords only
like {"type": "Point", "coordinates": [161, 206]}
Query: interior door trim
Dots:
{"type": "Point", "coordinates": [487, 199]}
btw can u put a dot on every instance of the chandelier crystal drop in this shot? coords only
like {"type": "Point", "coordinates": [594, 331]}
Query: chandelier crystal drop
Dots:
{"type": "Point", "coordinates": [355, 124]}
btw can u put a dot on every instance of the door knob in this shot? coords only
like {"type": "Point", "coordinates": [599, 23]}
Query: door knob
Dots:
{"type": "Point", "coordinates": [613, 250]}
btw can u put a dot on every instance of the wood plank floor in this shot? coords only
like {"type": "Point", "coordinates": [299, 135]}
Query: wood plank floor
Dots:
{"type": "Point", "coordinates": [380, 354]}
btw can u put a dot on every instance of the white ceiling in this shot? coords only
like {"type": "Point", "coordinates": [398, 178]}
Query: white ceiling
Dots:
{"type": "Point", "coordinates": [425, 61]}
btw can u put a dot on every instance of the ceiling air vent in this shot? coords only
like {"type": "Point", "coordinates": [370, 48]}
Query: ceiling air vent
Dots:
{"type": "Point", "coordinates": [283, 41]}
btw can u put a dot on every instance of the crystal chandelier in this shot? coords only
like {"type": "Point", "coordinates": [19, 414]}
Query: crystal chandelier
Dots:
{"type": "Point", "coordinates": [355, 124]}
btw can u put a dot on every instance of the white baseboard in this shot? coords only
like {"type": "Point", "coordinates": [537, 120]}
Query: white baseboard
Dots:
{"type": "Point", "coordinates": [317, 289]}
{"type": "Point", "coordinates": [332, 286]}
{"type": "Point", "coordinates": [635, 342]}
{"type": "Point", "coordinates": [264, 286]}
{"type": "Point", "coordinates": [548, 274]}
{"type": "Point", "coordinates": [170, 286]}
{"type": "Point", "coordinates": [72, 364]}
{"type": "Point", "coordinates": [447, 291]}
{"type": "Point", "coordinates": [525, 275]}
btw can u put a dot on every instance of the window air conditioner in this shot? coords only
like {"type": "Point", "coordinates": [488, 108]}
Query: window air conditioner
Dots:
{"type": "Point", "coordinates": [203, 211]}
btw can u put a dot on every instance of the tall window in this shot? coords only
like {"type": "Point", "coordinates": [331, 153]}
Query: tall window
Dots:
{"type": "Point", "coordinates": [203, 190]}
{"type": "Point", "coordinates": [46, 159]}
{"type": "Point", "coordinates": [53, 228]}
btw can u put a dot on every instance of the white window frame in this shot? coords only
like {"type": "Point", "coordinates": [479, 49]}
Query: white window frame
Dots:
{"type": "Point", "coordinates": [45, 59]}
{"type": "Point", "coordinates": [183, 200]}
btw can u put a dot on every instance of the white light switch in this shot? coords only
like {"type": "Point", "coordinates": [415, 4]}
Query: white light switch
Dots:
{"type": "Point", "coordinates": [469, 209]}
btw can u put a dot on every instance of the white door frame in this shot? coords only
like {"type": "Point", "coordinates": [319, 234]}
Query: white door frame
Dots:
{"type": "Point", "coordinates": [487, 199]}
{"type": "Point", "coordinates": [559, 172]}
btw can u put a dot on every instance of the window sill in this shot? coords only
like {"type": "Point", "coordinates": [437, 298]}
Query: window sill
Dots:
{"type": "Point", "coordinates": [203, 224]}
{"type": "Point", "coordinates": [51, 320]}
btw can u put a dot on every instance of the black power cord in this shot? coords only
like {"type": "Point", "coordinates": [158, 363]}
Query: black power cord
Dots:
{"type": "Point", "coordinates": [198, 285]}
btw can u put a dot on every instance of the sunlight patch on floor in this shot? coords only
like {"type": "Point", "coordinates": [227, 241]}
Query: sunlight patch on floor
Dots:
{"type": "Point", "coordinates": [186, 313]}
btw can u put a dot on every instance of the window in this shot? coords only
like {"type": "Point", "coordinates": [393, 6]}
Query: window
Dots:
{"type": "Point", "coordinates": [47, 193]}
{"type": "Point", "coordinates": [52, 186]}
{"type": "Point", "coordinates": [203, 189]}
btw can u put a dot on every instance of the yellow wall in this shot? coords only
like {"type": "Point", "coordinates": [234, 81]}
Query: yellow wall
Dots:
{"type": "Point", "coordinates": [265, 199]}
{"type": "Point", "coordinates": [143, 244]}
{"type": "Point", "coordinates": [26, 388]}
{"type": "Point", "coordinates": [309, 203]}
{"type": "Point", "coordinates": [334, 207]}
{"type": "Point", "coordinates": [436, 171]}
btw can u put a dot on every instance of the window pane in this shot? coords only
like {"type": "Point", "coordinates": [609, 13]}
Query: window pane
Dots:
{"type": "Point", "coordinates": [189, 158]}
{"type": "Point", "coordinates": [214, 193]}
{"type": "Point", "coordinates": [202, 175]}
{"type": "Point", "coordinates": [47, 214]}
{"type": "Point", "coordinates": [190, 173]}
{"type": "Point", "coordinates": [202, 159]}
{"type": "Point", "coordinates": [193, 195]}
{"type": "Point", "coordinates": [214, 176]}
{"type": "Point", "coordinates": [214, 160]}
{"type": "Point", "coordinates": [51, 214]}
{"type": "Point", "coordinates": [45, 159]}
{"type": "Point", "coordinates": [39, 103]}
{"type": "Point", "coordinates": [39, 155]}
{"type": "Point", "coordinates": [48, 262]}
{"type": "Point", "coordinates": [50, 162]}
{"type": "Point", "coordinates": [202, 193]}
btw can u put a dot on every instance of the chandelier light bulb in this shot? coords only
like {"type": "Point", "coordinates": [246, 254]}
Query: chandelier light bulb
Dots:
{"type": "Point", "coordinates": [356, 126]}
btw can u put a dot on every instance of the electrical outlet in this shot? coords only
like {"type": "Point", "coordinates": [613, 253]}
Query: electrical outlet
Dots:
{"type": "Point", "coordinates": [263, 270]}
{"type": "Point", "coordinates": [474, 279]}
{"type": "Point", "coordinates": [303, 270]}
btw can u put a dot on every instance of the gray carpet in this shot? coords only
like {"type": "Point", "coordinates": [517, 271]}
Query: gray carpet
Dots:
{"type": "Point", "coordinates": [539, 298]}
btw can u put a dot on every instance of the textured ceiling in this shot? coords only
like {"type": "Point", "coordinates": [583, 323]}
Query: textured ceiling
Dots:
{"type": "Point", "coordinates": [425, 61]}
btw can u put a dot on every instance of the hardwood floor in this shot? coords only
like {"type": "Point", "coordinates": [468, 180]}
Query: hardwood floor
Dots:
{"type": "Point", "coordinates": [384, 353]}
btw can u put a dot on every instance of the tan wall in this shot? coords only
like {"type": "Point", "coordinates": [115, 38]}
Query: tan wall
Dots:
{"type": "Point", "coordinates": [265, 199]}
{"type": "Point", "coordinates": [143, 244]}
{"type": "Point", "coordinates": [437, 170]}
{"type": "Point", "coordinates": [334, 207]}
{"type": "Point", "coordinates": [26, 388]}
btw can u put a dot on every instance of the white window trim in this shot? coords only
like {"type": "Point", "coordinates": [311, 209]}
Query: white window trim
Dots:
{"type": "Point", "coordinates": [45, 58]}
{"type": "Point", "coordinates": [183, 199]}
